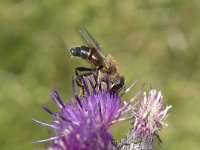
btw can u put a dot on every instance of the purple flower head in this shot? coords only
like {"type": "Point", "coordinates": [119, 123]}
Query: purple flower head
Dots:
{"type": "Point", "coordinates": [83, 122]}
{"type": "Point", "coordinates": [100, 105]}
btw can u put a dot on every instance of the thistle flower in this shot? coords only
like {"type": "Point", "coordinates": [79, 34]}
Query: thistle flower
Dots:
{"type": "Point", "coordinates": [149, 114]}
{"type": "Point", "coordinates": [83, 123]}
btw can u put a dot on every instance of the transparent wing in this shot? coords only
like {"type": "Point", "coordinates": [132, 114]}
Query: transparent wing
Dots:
{"type": "Point", "coordinates": [87, 37]}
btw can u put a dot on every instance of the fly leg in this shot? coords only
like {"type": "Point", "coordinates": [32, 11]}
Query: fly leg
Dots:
{"type": "Point", "coordinates": [79, 77]}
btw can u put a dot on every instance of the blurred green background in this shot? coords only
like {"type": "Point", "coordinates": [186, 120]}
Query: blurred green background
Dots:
{"type": "Point", "coordinates": [155, 41]}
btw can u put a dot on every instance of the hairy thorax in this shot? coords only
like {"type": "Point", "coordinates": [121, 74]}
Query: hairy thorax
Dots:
{"type": "Point", "coordinates": [110, 67]}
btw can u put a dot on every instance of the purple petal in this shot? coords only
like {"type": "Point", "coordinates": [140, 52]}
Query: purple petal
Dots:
{"type": "Point", "coordinates": [75, 93]}
{"type": "Point", "coordinates": [47, 109]}
{"type": "Point", "coordinates": [92, 85]}
{"type": "Point", "coordinates": [58, 98]}
{"type": "Point", "coordinates": [44, 124]}
{"type": "Point", "coordinates": [95, 77]}
{"type": "Point", "coordinates": [55, 101]}
{"type": "Point", "coordinates": [86, 86]}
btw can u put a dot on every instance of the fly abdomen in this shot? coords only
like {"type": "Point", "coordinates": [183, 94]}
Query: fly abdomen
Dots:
{"type": "Point", "coordinates": [88, 53]}
{"type": "Point", "coordinates": [81, 51]}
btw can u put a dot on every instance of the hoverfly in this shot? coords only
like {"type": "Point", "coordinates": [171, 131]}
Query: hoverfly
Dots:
{"type": "Point", "coordinates": [102, 64]}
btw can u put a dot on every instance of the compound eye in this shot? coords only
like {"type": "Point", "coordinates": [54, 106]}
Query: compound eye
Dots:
{"type": "Point", "coordinates": [118, 85]}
